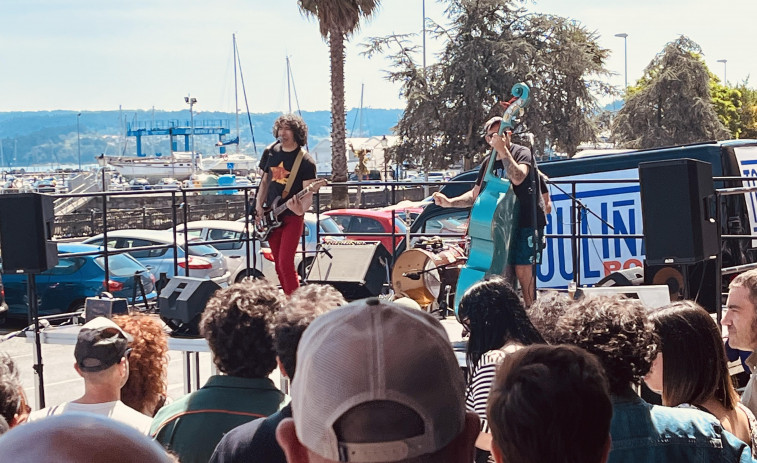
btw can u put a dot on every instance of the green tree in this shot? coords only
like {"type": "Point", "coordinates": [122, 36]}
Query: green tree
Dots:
{"type": "Point", "coordinates": [727, 101]}
{"type": "Point", "coordinates": [337, 20]}
{"type": "Point", "coordinates": [747, 111]}
{"type": "Point", "coordinates": [419, 127]}
{"type": "Point", "coordinates": [490, 46]}
{"type": "Point", "coordinates": [672, 103]}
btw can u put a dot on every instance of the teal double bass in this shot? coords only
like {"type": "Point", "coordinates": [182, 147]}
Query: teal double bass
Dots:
{"type": "Point", "coordinates": [494, 215]}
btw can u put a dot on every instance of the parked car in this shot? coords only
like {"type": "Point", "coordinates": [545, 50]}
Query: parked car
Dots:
{"type": "Point", "coordinates": [408, 210]}
{"type": "Point", "coordinates": [139, 184]}
{"type": "Point", "coordinates": [65, 287]}
{"type": "Point", "coordinates": [46, 185]}
{"type": "Point", "coordinates": [204, 261]}
{"type": "Point", "coordinates": [369, 221]}
{"type": "Point", "coordinates": [234, 252]}
{"type": "Point", "coordinates": [315, 226]}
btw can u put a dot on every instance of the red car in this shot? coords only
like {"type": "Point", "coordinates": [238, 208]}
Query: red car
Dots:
{"type": "Point", "coordinates": [369, 221]}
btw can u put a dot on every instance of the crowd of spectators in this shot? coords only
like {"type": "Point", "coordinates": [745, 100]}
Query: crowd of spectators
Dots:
{"type": "Point", "coordinates": [376, 381]}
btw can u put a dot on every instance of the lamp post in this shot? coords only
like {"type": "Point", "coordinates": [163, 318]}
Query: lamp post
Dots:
{"type": "Point", "coordinates": [725, 75]}
{"type": "Point", "coordinates": [78, 139]}
{"type": "Point", "coordinates": [191, 102]}
{"type": "Point", "coordinates": [624, 36]}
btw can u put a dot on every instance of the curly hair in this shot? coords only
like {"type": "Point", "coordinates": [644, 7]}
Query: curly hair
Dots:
{"type": "Point", "coordinates": [495, 317]}
{"type": "Point", "coordinates": [146, 388]}
{"type": "Point", "coordinates": [294, 123]}
{"type": "Point", "coordinates": [237, 324]}
{"type": "Point", "coordinates": [305, 303]}
{"type": "Point", "coordinates": [695, 367]}
{"type": "Point", "coordinates": [615, 329]}
{"type": "Point", "coordinates": [546, 310]}
{"type": "Point", "coordinates": [10, 388]}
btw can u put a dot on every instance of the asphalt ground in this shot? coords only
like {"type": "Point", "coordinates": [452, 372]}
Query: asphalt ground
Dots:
{"type": "Point", "coordinates": [62, 383]}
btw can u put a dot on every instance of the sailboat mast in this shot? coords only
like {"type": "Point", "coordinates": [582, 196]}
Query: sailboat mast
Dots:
{"type": "Point", "coordinates": [236, 94]}
{"type": "Point", "coordinates": [360, 113]}
{"type": "Point", "coordinates": [289, 89]}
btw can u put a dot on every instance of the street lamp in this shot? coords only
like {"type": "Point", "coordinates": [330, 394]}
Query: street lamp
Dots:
{"type": "Point", "coordinates": [191, 102]}
{"type": "Point", "coordinates": [78, 139]}
{"type": "Point", "coordinates": [624, 36]}
{"type": "Point", "coordinates": [725, 75]}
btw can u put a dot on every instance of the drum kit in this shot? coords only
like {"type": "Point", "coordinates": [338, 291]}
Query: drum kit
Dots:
{"type": "Point", "coordinates": [428, 272]}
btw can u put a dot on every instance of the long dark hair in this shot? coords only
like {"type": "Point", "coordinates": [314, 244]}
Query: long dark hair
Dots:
{"type": "Point", "coordinates": [695, 367]}
{"type": "Point", "coordinates": [495, 316]}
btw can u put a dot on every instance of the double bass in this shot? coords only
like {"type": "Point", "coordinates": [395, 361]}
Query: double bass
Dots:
{"type": "Point", "coordinates": [494, 215]}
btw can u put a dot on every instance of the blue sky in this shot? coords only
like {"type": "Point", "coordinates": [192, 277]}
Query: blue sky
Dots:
{"type": "Point", "coordinates": [97, 55]}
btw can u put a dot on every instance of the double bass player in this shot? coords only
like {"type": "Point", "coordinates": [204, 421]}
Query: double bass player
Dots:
{"type": "Point", "coordinates": [513, 163]}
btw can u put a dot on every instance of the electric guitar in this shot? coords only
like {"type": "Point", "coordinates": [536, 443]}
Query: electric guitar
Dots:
{"type": "Point", "coordinates": [270, 219]}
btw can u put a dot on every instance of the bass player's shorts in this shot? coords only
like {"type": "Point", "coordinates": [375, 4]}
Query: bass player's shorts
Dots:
{"type": "Point", "coordinates": [523, 246]}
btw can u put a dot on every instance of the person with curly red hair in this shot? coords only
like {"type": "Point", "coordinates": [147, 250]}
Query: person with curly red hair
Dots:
{"type": "Point", "coordinates": [146, 388]}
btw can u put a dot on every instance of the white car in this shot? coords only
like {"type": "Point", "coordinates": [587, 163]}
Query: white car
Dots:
{"type": "Point", "coordinates": [235, 252]}
{"type": "Point", "coordinates": [204, 261]}
{"type": "Point", "coordinates": [313, 226]}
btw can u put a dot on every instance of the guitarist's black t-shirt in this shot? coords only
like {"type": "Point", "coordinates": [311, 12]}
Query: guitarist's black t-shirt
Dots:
{"type": "Point", "coordinates": [280, 165]}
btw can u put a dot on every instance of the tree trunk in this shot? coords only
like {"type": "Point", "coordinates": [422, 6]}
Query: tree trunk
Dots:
{"type": "Point", "coordinates": [339, 196]}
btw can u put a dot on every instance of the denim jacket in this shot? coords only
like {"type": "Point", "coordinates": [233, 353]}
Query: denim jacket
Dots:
{"type": "Point", "coordinates": [642, 433]}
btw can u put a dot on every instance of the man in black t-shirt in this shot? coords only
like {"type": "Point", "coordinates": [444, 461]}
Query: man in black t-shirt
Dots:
{"type": "Point", "coordinates": [292, 132]}
{"type": "Point", "coordinates": [514, 163]}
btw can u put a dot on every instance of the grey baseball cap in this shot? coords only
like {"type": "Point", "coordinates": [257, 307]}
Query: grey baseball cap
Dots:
{"type": "Point", "coordinates": [372, 352]}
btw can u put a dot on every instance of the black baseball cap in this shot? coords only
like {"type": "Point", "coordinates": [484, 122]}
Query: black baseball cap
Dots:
{"type": "Point", "coordinates": [100, 344]}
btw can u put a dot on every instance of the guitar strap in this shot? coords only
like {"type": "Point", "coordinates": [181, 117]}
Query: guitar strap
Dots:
{"type": "Point", "coordinates": [293, 174]}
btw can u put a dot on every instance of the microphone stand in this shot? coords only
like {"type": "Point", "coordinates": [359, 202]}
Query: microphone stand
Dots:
{"type": "Point", "coordinates": [417, 275]}
{"type": "Point", "coordinates": [576, 239]}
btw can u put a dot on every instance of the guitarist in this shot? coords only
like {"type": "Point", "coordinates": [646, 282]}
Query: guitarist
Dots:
{"type": "Point", "coordinates": [280, 165]}
{"type": "Point", "coordinates": [514, 163]}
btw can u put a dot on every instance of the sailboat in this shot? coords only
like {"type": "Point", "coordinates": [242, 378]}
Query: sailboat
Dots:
{"type": "Point", "coordinates": [236, 161]}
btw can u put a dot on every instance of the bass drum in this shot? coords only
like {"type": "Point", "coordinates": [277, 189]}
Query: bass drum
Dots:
{"type": "Point", "coordinates": [416, 273]}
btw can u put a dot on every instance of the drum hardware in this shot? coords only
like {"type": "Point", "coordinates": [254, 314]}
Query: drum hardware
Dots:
{"type": "Point", "coordinates": [417, 275]}
{"type": "Point", "coordinates": [424, 275]}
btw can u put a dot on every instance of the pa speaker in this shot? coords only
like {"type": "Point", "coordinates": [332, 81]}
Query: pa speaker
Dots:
{"type": "Point", "coordinates": [676, 199]}
{"type": "Point", "coordinates": [356, 270]}
{"type": "Point", "coordinates": [182, 301]}
{"type": "Point", "coordinates": [26, 231]}
{"type": "Point", "coordinates": [697, 282]}
{"type": "Point", "coordinates": [104, 307]}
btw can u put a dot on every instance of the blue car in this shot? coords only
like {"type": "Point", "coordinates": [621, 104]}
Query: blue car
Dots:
{"type": "Point", "coordinates": [65, 287]}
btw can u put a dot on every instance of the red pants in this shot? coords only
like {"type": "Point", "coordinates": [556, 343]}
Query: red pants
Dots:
{"type": "Point", "coordinates": [283, 241]}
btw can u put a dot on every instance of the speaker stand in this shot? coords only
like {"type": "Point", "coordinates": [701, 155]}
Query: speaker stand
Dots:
{"type": "Point", "coordinates": [31, 294]}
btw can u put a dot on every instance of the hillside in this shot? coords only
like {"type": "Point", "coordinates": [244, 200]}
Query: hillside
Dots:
{"type": "Point", "coordinates": [50, 137]}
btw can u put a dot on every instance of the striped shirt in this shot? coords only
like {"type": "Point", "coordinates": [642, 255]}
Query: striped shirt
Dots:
{"type": "Point", "coordinates": [481, 382]}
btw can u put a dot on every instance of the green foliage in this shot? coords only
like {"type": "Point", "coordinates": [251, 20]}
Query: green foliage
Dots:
{"type": "Point", "coordinates": [747, 111]}
{"type": "Point", "coordinates": [672, 103]}
{"type": "Point", "coordinates": [727, 101]}
{"type": "Point", "coordinates": [490, 46]}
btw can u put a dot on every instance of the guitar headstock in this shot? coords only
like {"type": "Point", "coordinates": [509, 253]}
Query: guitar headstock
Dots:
{"type": "Point", "coordinates": [315, 186]}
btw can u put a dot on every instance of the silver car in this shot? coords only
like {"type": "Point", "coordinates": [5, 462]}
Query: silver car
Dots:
{"type": "Point", "coordinates": [234, 251]}
{"type": "Point", "coordinates": [314, 225]}
{"type": "Point", "coordinates": [203, 261]}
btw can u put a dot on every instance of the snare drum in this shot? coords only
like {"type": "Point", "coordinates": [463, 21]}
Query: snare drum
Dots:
{"type": "Point", "coordinates": [417, 275]}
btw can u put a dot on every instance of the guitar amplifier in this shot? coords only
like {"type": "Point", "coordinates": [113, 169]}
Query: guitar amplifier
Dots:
{"type": "Point", "coordinates": [356, 269]}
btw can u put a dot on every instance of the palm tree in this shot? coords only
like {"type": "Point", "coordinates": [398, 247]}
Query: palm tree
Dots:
{"type": "Point", "coordinates": [338, 19]}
